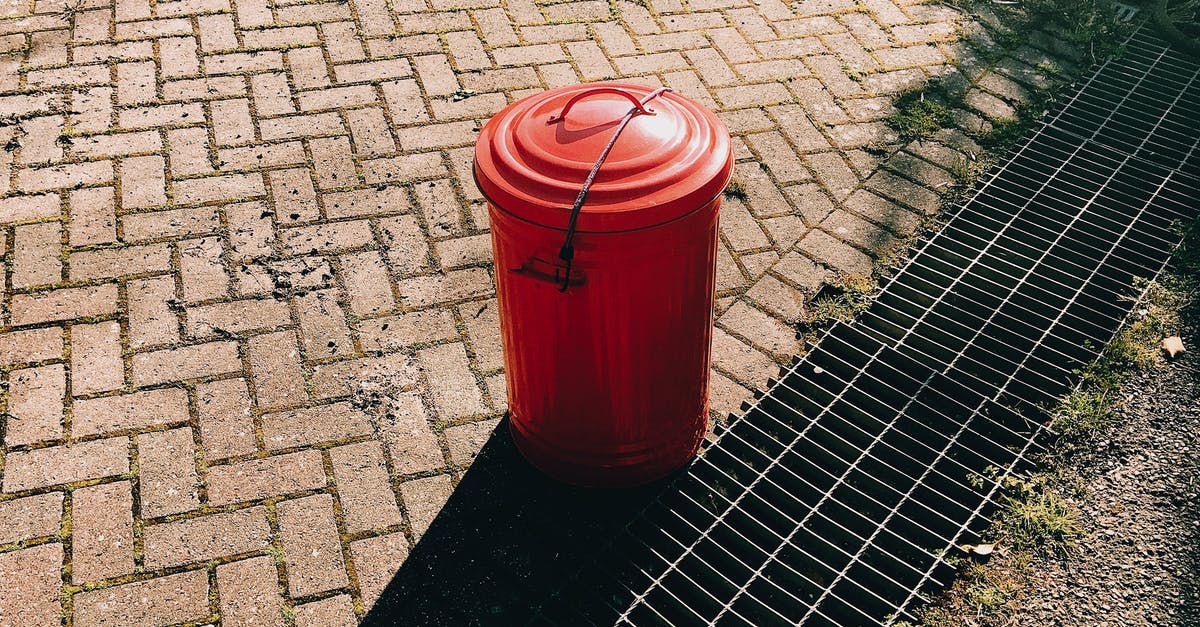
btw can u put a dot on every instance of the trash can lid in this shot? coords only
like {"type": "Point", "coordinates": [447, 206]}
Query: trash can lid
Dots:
{"type": "Point", "coordinates": [662, 166]}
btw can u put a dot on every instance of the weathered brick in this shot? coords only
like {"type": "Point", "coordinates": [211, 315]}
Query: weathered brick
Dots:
{"type": "Point", "coordinates": [170, 223]}
{"type": "Point", "coordinates": [312, 425]}
{"type": "Point", "coordinates": [35, 405]}
{"type": "Point", "coordinates": [137, 410]}
{"type": "Point", "coordinates": [64, 304]}
{"type": "Point", "coordinates": [364, 488]}
{"type": "Point", "coordinates": [465, 441]}
{"type": "Point", "coordinates": [311, 548]}
{"type": "Point", "coordinates": [376, 560]}
{"type": "Point", "coordinates": [367, 283]}
{"type": "Point", "coordinates": [256, 479]}
{"type": "Point", "coordinates": [441, 288]}
{"type": "Point", "coordinates": [189, 362]}
{"type": "Point", "coordinates": [275, 366]}
{"type": "Point", "coordinates": [452, 385]}
{"type": "Point", "coordinates": [332, 162]}
{"type": "Point", "coordinates": [237, 316]}
{"type": "Point", "coordinates": [424, 498]}
{"type": "Point", "coordinates": [442, 135]}
{"type": "Point", "coordinates": [27, 470]}
{"type": "Point", "coordinates": [295, 199]}
{"type": "Point", "coordinates": [341, 378]}
{"type": "Point", "coordinates": [407, 248]}
{"type": "Point", "coordinates": [835, 254]}
{"type": "Point", "coordinates": [93, 216]}
{"type": "Point", "coordinates": [226, 187]}
{"type": "Point", "coordinates": [36, 599]}
{"type": "Point", "coordinates": [249, 593]}
{"type": "Point", "coordinates": [189, 151]}
{"type": "Point", "coordinates": [232, 123]}
{"type": "Point", "coordinates": [156, 116]}
{"type": "Point", "coordinates": [177, 598]}
{"type": "Point", "coordinates": [18, 347]}
{"type": "Point", "coordinates": [151, 321]}
{"type": "Point", "coordinates": [761, 329]}
{"type": "Point", "coordinates": [371, 131]}
{"type": "Point", "coordinates": [96, 364]}
{"type": "Point", "coordinates": [206, 537]}
{"type": "Point", "coordinates": [226, 425]}
{"type": "Point", "coordinates": [167, 467]}
{"type": "Point", "coordinates": [251, 233]}
{"type": "Point", "coordinates": [335, 611]}
{"type": "Point", "coordinates": [326, 237]}
{"type": "Point", "coordinates": [22, 208]}
{"type": "Point", "coordinates": [31, 517]}
{"type": "Point", "coordinates": [272, 96]}
{"type": "Point", "coordinates": [201, 269]}
{"type": "Point", "coordinates": [109, 263]}
{"type": "Point", "coordinates": [101, 531]}
{"type": "Point", "coordinates": [64, 176]}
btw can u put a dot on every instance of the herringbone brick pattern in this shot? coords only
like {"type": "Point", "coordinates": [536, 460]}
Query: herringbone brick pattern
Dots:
{"type": "Point", "coordinates": [248, 332]}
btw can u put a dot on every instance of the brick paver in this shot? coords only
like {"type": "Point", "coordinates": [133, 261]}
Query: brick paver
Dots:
{"type": "Point", "coordinates": [248, 330]}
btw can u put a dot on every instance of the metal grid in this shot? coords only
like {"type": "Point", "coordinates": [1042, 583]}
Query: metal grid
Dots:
{"type": "Point", "coordinates": [835, 498]}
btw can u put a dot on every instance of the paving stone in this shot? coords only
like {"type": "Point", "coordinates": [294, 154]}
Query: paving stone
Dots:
{"type": "Point", "coordinates": [311, 549]}
{"type": "Point", "coordinates": [465, 441]}
{"type": "Point", "coordinates": [275, 365]}
{"type": "Point", "coordinates": [167, 467]}
{"type": "Point", "coordinates": [70, 463]}
{"type": "Point", "coordinates": [64, 304]}
{"type": "Point", "coordinates": [424, 498]}
{"type": "Point", "coordinates": [35, 405]}
{"type": "Point", "coordinates": [249, 593]}
{"type": "Point", "coordinates": [451, 382]}
{"type": "Point", "coordinates": [337, 611]}
{"type": "Point", "coordinates": [205, 537]}
{"type": "Point", "coordinates": [376, 560]}
{"type": "Point", "coordinates": [165, 600]}
{"type": "Point", "coordinates": [101, 532]}
{"type": "Point", "coordinates": [30, 517]}
{"type": "Point", "coordinates": [355, 376]}
{"type": "Point", "coordinates": [96, 364]}
{"type": "Point", "coordinates": [323, 423]}
{"type": "Point", "coordinates": [27, 346]}
{"type": "Point", "coordinates": [256, 479]}
{"type": "Point", "coordinates": [189, 362]}
{"type": "Point", "coordinates": [762, 330]}
{"type": "Point", "coordinates": [36, 601]}
{"type": "Point", "coordinates": [364, 489]}
{"type": "Point", "coordinates": [226, 425]}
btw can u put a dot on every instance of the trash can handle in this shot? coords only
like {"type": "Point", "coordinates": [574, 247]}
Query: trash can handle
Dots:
{"type": "Point", "coordinates": [567, 252]}
{"type": "Point", "coordinates": [639, 105]}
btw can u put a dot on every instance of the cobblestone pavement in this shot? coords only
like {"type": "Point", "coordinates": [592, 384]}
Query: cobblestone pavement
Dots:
{"type": "Point", "coordinates": [248, 335]}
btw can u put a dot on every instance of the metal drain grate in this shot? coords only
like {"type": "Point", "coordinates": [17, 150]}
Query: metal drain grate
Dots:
{"type": "Point", "coordinates": [834, 500]}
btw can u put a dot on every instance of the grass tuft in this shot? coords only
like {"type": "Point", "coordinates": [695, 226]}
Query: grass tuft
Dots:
{"type": "Point", "coordinates": [918, 118]}
{"type": "Point", "coordinates": [736, 190]}
{"type": "Point", "coordinates": [842, 300]}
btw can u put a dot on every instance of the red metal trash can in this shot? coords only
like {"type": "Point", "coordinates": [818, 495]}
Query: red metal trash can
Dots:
{"type": "Point", "coordinates": [605, 297]}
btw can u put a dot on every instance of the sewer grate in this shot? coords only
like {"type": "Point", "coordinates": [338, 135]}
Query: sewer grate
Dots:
{"type": "Point", "coordinates": [835, 498]}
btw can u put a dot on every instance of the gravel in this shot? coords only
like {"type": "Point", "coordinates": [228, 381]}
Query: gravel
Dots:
{"type": "Point", "coordinates": [1138, 562]}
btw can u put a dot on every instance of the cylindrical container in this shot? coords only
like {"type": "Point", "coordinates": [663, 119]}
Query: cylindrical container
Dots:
{"type": "Point", "coordinates": [606, 354]}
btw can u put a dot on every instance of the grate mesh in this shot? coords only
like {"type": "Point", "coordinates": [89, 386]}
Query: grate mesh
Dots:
{"type": "Point", "coordinates": [833, 500]}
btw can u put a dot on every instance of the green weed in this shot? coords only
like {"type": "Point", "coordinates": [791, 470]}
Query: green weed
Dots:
{"type": "Point", "coordinates": [918, 118]}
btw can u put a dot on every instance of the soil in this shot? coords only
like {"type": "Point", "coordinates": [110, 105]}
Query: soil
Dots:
{"type": "Point", "coordinates": [1138, 562]}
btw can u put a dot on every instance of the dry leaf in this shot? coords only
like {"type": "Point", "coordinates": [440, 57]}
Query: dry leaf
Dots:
{"type": "Point", "coordinates": [978, 549]}
{"type": "Point", "coordinates": [1173, 345]}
